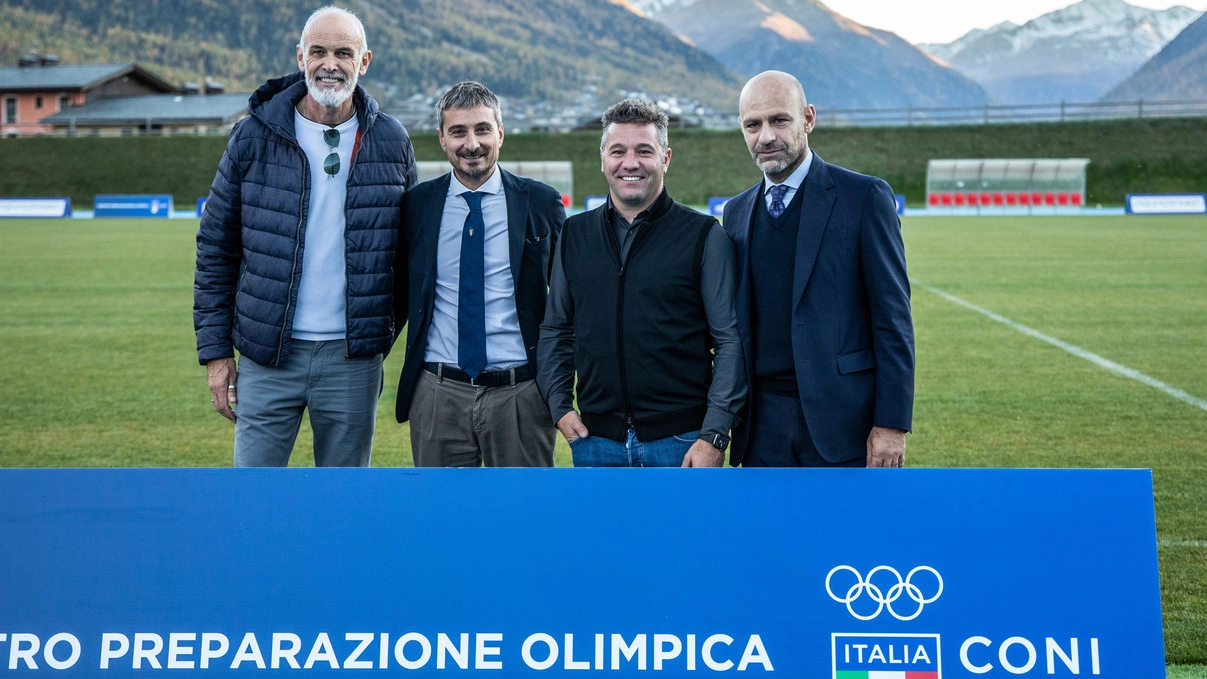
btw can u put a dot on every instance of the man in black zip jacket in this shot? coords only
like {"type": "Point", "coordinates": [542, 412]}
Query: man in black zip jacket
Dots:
{"type": "Point", "coordinates": [641, 307]}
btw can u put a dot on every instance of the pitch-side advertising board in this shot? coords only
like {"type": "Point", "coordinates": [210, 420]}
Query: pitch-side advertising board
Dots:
{"type": "Point", "coordinates": [839, 574]}
{"type": "Point", "coordinates": [1167, 204]}
{"type": "Point", "coordinates": [132, 206]}
{"type": "Point", "coordinates": [26, 208]}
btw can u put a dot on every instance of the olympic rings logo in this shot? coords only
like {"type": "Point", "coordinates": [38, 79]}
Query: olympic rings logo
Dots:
{"type": "Point", "coordinates": [885, 597]}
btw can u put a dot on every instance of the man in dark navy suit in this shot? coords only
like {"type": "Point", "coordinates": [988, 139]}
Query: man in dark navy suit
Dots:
{"type": "Point", "coordinates": [475, 247]}
{"type": "Point", "coordinates": [823, 298]}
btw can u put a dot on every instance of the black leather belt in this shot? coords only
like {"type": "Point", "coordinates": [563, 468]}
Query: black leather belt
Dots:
{"type": "Point", "coordinates": [487, 379]}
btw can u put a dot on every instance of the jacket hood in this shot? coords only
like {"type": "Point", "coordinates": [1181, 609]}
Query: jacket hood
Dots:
{"type": "Point", "coordinates": [273, 103]}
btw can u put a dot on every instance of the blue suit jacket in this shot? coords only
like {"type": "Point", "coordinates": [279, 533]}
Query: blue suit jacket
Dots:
{"type": "Point", "coordinates": [852, 335]}
{"type": "Point", "coordinates": [535, 215]}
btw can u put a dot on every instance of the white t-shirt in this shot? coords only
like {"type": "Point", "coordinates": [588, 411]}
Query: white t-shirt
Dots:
{"type": "Point", "coordinates": [320, 313]}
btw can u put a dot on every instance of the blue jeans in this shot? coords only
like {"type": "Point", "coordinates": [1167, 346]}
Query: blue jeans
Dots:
{"type": "Point", "coordinates": [597, 451]}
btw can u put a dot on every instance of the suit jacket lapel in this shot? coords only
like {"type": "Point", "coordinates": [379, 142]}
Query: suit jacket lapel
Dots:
{"type": "Point", "coordinates": [814, 215]}
{"type": "Point", "coordinates": [429, 234]}
{"type": "Point", "coordinates": [516, 194]}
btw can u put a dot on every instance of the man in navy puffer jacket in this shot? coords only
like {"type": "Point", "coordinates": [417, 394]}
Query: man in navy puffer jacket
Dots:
{"type": "Point", "coordinates": [295, 255]}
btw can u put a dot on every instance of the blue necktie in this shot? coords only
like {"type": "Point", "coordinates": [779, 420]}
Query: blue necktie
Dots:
{"type": "Point", "coordinates": [777, 199]}
{"type": "Point", "coordinates": [471, 302]}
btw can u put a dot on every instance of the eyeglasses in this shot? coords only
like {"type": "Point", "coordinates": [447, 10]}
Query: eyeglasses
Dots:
{"type": "Point", "coordinates": [331, 164]}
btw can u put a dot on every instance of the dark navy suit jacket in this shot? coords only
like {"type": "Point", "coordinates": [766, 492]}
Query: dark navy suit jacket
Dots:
{"type": "Point", "coordinates": [535, 215]}
{"type": "Point", "coordinates": [852, 334]}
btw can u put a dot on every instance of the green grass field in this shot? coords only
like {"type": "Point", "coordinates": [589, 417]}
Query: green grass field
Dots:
{"type": "Point", "coordinates": [97, 347]}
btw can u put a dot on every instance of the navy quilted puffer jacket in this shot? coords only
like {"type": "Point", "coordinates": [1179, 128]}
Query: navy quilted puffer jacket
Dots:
{"type": "Point", "coordinates": [249, 246]}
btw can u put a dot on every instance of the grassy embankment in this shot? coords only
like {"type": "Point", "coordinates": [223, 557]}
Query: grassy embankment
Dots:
{"type": "Point", "coordinates": [1127, 156]}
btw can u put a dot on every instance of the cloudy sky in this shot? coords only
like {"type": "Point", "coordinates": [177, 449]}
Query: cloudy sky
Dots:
{"type": "Point", "coordinates": [945, 20]}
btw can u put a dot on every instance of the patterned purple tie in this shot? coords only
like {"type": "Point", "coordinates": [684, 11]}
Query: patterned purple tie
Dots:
{"type": "Point", "coordinates": [777, 199]}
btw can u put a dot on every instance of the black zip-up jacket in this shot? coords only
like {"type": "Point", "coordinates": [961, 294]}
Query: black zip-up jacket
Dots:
{"type": "Point", "coordinates": [642, 342]}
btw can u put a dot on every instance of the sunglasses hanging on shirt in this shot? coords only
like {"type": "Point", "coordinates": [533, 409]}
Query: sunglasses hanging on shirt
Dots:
{"type": "Point", "coordinates": [331, 164]}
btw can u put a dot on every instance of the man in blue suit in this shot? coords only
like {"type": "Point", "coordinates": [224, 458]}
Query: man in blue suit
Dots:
{"type": "Point", "coordinates": [823, 298]}
{"type": "Point", "coordinates": [472, 282]}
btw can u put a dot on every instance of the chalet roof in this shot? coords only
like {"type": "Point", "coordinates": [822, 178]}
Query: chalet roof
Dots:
{"type": "Point", "coordinates": [73, 77]}
{"type": "Point", "coordinates": [166, 109]}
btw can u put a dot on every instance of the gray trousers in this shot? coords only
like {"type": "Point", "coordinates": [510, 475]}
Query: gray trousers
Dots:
{"type": "Point", "coordinates": [458, 425]}
{"type": "Point", "coordinates": [341, 395]}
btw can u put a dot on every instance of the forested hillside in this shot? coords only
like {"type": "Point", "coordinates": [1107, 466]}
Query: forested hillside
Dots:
{"type": "Point", "coordinates": [540, 49]}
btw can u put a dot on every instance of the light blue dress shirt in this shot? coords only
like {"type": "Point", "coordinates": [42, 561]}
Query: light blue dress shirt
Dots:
{"type": "Point", "coordinates": [793, 182]}
{"type": "Point", "coordinates": [504, 344]}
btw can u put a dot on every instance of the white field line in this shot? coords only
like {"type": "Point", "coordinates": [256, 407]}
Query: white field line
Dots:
{"type": "Point", "coordinates": [1182, 543]}
{"type": "Point", "coordinates": [1090, 356]}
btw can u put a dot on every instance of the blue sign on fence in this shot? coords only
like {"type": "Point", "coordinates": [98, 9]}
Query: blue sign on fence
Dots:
{"type": "Point", "coordinates": [515, 573]}
{"type": "Point", "coordinates": [35, 207]}
{"type": "Point", "coordinates": [716, 205]}
{"type": "Point", "coordinates": [900, 199]}
{"type": "Point", "coordinates": [1166, 203]}
{"type": "Point", "coordinates": [132, 206]}
{"type": "Point", "coordinates": [592, 202]}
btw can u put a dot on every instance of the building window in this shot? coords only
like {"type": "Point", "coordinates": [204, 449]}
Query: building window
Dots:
{"type": "Point", "coordinates": [38, 102]}
{"type": "Point", "coordinates": [10, 110]}
{"type": "Point", "coordinates": [64, 102]}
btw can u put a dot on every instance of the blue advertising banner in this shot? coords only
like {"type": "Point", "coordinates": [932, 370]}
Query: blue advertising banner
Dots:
{"type": "Point", "coordinates": [592, 202]}
{"type": "Point", "coordinates": [132, 206]}
{"type": "Point", "coordinates": [526, 573]}
{"type": "Point", "coordinates": [1166, 203]}
{"type": "Point", "coordinates": [716, 205]}
{"type": "Point", "coordinates": [35, 207]}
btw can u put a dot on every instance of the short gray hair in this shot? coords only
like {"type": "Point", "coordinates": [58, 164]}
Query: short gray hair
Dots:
{"type": "Point", "coordinates": [340, 12]}
{"type": "Point", "coordinates": [636, 112]}
{"type": "Point", "coordinates": [467, 94]}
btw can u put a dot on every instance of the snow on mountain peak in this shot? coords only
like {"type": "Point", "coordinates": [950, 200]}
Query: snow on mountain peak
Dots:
{"type": "Point", "coordinates": [1138, 31]}
{"type": "Point", "coordinates": [652, 7]}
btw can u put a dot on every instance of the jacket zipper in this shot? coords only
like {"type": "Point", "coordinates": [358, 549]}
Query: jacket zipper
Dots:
{"type": "Point", "coordinates": [620, 282]}
{"type": "Point", "coordinates": [348, 302]}
{"type": "Point", "coordinates": [297, 248]}
{"type": "Point", "coordinates": [624, 380]}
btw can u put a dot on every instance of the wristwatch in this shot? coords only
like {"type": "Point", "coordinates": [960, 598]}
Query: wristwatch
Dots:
{"type": "Point", "coordinates": [718, 441]}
